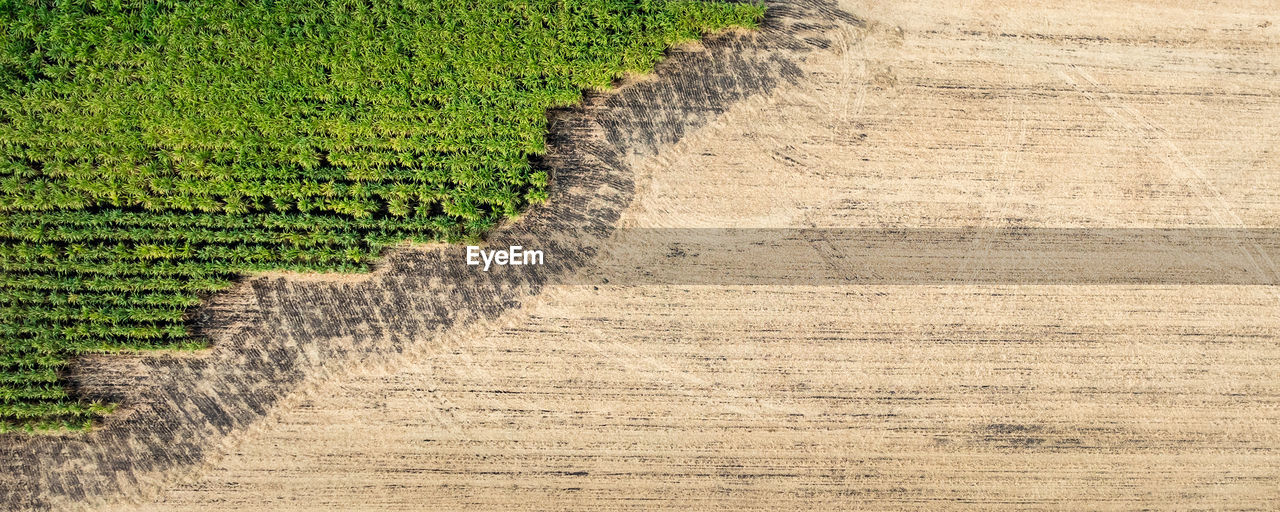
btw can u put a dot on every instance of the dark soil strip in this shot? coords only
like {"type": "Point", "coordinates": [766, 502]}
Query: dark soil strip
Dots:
{"type": "Point", "coordinates": [179, 410]}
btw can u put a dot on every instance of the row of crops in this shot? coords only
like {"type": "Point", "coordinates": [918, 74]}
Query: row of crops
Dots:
{"type": "Point", "coordinates": [152, 151]}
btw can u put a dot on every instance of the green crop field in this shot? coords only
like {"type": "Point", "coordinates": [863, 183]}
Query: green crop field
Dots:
{"type": "Point", "coordinates": [152, 151]}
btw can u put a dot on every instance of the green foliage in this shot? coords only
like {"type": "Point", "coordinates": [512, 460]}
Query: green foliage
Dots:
{"type": "Point", "coordinates": [151, 151]}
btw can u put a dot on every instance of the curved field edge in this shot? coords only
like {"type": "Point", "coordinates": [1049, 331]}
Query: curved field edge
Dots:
{"type": "Point", "coordinates": [153, 152]}
{"type": "Point", "coordinates": [273, 335]}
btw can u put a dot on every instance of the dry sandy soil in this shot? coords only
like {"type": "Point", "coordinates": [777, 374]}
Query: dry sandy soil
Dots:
{"type": "Point", "coordinates": [595, 387]}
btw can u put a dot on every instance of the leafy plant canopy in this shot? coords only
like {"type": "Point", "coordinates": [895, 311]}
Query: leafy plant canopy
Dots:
{"type": "Point", "coordinates": [151, 151]}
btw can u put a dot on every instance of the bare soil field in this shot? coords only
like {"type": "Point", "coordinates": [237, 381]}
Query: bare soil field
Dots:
{"type": "Point", "coordinates": [589, 384]}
